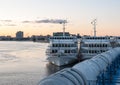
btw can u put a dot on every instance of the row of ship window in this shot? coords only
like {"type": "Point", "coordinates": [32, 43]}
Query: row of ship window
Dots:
{"type": "Point", "coordinates": [97, 38]}
{"type": "Point", "coordinates": [101, 37]}
{"type": "Point", "coordinates": [65, 51]}
{"type": "Point", "coordinates": [96, 45]}
{"type": "Point", "coordinates": [62, 38]}
{"type": "Point", "coordinates": [93, 51]}
{"type": "Point", "coordinates": [64, 45]}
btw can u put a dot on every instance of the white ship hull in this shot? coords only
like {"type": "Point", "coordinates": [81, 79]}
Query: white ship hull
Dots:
{"type": "Point", "coordinates": [62, 60]}
{"type": "Point", "coordinates": [62, 49]}
{"type": "Point", "coordinates": [87, 56]}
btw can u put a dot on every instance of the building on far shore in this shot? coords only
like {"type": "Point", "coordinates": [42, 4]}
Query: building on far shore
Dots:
{"type": "Point", "coordinates": [19, 35]}
{"type": "Point", "coordinates": [40, 38]}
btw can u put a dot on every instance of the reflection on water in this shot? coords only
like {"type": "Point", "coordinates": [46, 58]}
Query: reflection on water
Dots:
{"type": "Point", "coordinates": [24, 63]}
{"type": "Point", "coordinates": [53, 68]}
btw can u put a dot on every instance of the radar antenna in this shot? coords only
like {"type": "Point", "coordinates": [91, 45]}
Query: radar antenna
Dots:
{"type": "Point", "coordinates": [94, 26]}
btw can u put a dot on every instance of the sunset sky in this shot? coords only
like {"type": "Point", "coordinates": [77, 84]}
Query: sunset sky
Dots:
{"type": "Point", "coordinates": [78, 13]}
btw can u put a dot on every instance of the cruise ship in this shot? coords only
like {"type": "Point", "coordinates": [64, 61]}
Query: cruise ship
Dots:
{"type": "Point", "coordinates": [90, 46]}
{"type": "Point", "coordinates": [62, 49]}
{"type": "Point", "coordinates": [93, 45]}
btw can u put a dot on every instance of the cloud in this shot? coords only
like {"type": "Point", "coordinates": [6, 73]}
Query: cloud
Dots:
{"type": "Point", "coordinates": [27, 21]}
{"type": "Point", "coordinates": [54, 21]}
{"type": "Point", "coordinates": [10, 25]}
{"type": "Point", "coordinates": [7, 23]}
{"type": "Point", "coordinates": [6, 20]}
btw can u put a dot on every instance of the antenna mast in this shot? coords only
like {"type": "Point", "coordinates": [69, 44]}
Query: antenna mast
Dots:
{"type": "Point", "coordinates": [63, 23]}
{"type": "Point", "coordinates": [94, 25]}
{"type": "Point", "coordinates": [63, 28]}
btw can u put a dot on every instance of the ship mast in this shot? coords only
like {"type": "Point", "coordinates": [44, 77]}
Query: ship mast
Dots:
{"type": "Point", "coordinates": [64, 24]}
{"type": "Point", "coordinates": [94, 26]}
{"type": "Point", "coordinates": [63, 28]}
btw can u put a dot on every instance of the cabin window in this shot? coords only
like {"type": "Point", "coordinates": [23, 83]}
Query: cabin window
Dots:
{"type": "Point", "coordinates": [89, 51]}
{"type": "Point", "coordinates": [59, 45]}
{"type": "Point", "coordinates": [53, 45]}
{"type": "Point", "coordinates": [68, 45]}
{"type": "Point", "coordinates": [65, 51]}
{"type": "Point", "coordinates": [95, 51]}
{"type": "Point", "coordinates": [94, 45]}
{"type": "Point", "coordinates": [90, 45]}
{"type": "Point", "coordinates": [62, 45]}
{"type": "Point", "coordinates": [54, 51]}
{"type": "Point", "coordinates": [65, 45]}
{"type": "Point", "coordinates": [68, 51]}
{"type": "Point", "coordinates": [92, 51]}
{"type": "Point", "coordinates": [103, 45]}
{"type": "Point", "coordinates": [98, 45]}
{"type": "Point", "coordinates": [56, 45]}
{"type": "Point", "coordinates": [101, 51]}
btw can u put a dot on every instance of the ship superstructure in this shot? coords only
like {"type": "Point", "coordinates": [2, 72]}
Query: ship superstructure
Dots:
{"type": "Point", "coordinates": [93, 45]}
{"type": "Point", "coordinates": [63, 48]}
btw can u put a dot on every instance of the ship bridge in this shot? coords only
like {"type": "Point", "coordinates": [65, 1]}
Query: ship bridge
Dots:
{"type": "Point", "coordinates": [103, 69]}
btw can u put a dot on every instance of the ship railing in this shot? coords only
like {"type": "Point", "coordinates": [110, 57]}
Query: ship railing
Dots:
{"type": "Point", "coordinates": [70, 41]}
{"type": "Point", "coordinates": [96, 48]}
{"type": "Point", "coordinates": [63, 47]}
{"type": "Point", "coordinates": [96, 40]}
